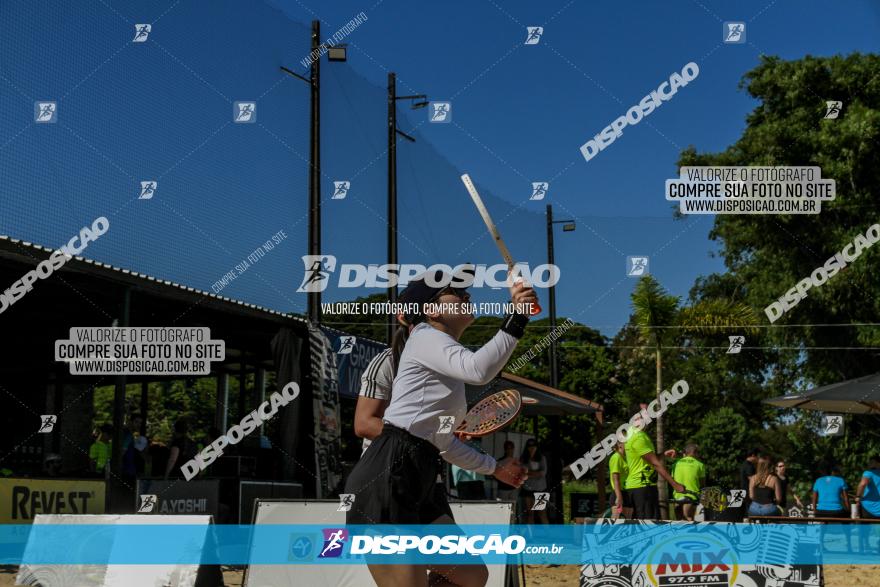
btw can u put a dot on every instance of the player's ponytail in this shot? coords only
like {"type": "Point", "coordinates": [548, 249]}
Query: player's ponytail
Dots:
{"type": "Point", "coordinates": [398, 341]}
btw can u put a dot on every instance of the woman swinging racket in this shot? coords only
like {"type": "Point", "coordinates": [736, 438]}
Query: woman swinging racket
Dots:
{"type": "Point", "coordinates": [394, 482]}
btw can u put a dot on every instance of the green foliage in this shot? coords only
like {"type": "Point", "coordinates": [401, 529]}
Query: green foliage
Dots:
{"type": "Point", "coordinates": [723, 437]}
{"type": "Point", "coordinates": [768, 254]}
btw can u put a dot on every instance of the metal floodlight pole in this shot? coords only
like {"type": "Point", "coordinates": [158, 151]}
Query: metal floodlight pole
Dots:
{"type": "Point", "coordinates": [392, 183]}
{"type": "Point", "coordinates": [569, 226]}
{"type": "Point", "coordinates": [392, 194]}
{"type": "Point", "coordinates": [314, 298]}
{"type": "Point", "coordinates": [555, 438]}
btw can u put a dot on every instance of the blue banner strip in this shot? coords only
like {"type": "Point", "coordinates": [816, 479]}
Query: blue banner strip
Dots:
{"type": "Point", "coordinates": [710, 545]}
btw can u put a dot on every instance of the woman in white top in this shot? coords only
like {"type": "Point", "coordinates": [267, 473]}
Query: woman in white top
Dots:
{"type": "Point", "coordinates": [394, 482]}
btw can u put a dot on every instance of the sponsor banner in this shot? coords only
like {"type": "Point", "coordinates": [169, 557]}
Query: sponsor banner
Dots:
{"type": "Point", "coordinates": [22, 499]}
{"type": "Point", "coordinates": [327, 433]}
{"type": "Point", "coordinates": [175, 497]}
{"type": "Point", "coordinates": [351, 365]}
{"type": "Point", "coordinates": [656, 554]}
{"type": "Point", "coordinates": [652, 550]}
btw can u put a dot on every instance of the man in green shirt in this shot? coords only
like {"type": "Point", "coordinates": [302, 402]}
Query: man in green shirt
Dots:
{"type": "Point", "coordinates": [644, 465]}
{"type": "Point", "coordinates": [100, 451]}
{"type": "Point", "coordinates": [618, 474]}
{"type": "Point", "coordinates": [691, 473]}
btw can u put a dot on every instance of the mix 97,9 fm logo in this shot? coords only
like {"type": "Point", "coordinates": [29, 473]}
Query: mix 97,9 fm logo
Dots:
{"type": "Point", "coordinates": [702, 562]}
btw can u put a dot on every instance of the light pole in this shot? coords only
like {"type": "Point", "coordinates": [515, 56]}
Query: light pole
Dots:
{"type": "Point", "coordinates": [568, 226]}
{"type": "Point", "coordinates": [337, 53]}
{"type": "Point", "coordinates": [555, 440]}
{"type": "Point", "coordinates": [418, 101]}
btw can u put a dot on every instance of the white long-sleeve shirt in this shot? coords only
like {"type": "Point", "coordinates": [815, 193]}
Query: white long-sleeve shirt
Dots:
{"type": "Point", "coordinates": [434, 368]}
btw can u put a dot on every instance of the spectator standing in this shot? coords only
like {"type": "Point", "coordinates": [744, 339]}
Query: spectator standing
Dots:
{"type": "Point", "coordinates": [644, 465]}
{"type": "Point", "coordinates": [786, 487]}
{"type": "Point", "coordinates": [182, 450]}
{"type": "Point", "coordinates": [100, 451]}
{"type": "Point", "coordinates": [829, 494]}
{"type": "Point", "coordinates": [133, 446]}
{"type": "Point", "coordinates": [536, 481]}
{"type": "Point", "coordinates": [765, 491]}
{"type": "Point", "coordinates": [868, 492]}
{"type": "Point", "coordinates": [748, 468]}
{"type": "Point", "coordinates": [690, 472]}
{"type": "Point", "coordinates": [618, 472]}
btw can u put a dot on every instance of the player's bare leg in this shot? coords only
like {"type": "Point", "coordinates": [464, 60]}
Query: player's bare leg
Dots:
{"type": "Point", "coordinates": [399, 575]}
{"type": "Point", "coordinates": [460, 575]}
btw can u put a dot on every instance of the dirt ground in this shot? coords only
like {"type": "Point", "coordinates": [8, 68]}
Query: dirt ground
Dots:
{"type": "Point", "coordinates": [567, 576]}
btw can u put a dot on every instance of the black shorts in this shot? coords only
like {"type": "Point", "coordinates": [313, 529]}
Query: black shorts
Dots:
{"type": "Point", "coordinates": [645, 503]}
{"type": "Point", "coordinates": [395, 482]}
{"type": "Point", "coordinates": [627, 498]}
{"type": "Point", "coordinates": [841, 513]}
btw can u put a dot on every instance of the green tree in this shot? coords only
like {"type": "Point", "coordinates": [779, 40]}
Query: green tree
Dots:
{"type": "Point", "coordinates": [661, 322]}
{"type": "Point", "coordinates": [828, 336]}
{"type": "Point", "coordinates": [720, 438]}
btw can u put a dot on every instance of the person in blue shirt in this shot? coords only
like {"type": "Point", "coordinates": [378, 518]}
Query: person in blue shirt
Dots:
{"type": "Point", "coordinates": [868, 492]}
{"type": "Point", "coordinates": [829, 495]}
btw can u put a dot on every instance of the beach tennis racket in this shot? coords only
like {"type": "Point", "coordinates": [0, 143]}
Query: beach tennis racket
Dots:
{"type": "Point", "coordinates": [493, 230]}
{"type": "Point", "coordinates": [491, 414]}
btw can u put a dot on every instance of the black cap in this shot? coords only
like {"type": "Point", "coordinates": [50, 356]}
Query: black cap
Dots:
{"type": "Point", "coordinates": [419, 291]}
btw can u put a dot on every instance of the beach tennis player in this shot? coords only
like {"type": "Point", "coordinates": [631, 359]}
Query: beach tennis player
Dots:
{"type": "Point", "coordinates": [395, 481]}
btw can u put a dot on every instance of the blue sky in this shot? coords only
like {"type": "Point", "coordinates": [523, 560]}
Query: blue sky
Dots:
{"type": "Point", "coordinates": [521, 112]}
{"type": "Point", "coordinates": [162, 110]}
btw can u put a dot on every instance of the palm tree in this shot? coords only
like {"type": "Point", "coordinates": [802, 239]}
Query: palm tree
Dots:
{"type": "Point", "coordinates": [662, 321]}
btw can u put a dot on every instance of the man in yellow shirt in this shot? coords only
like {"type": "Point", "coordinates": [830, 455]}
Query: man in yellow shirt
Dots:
{"type": "Point", "coordinates": [691, 473]}
{"type": "Point", "coordinates": [644, 465]}
{"type": "Point", "coordinates": [101, 449]}
{"type": "Point", "coordinates": [618, 473]}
